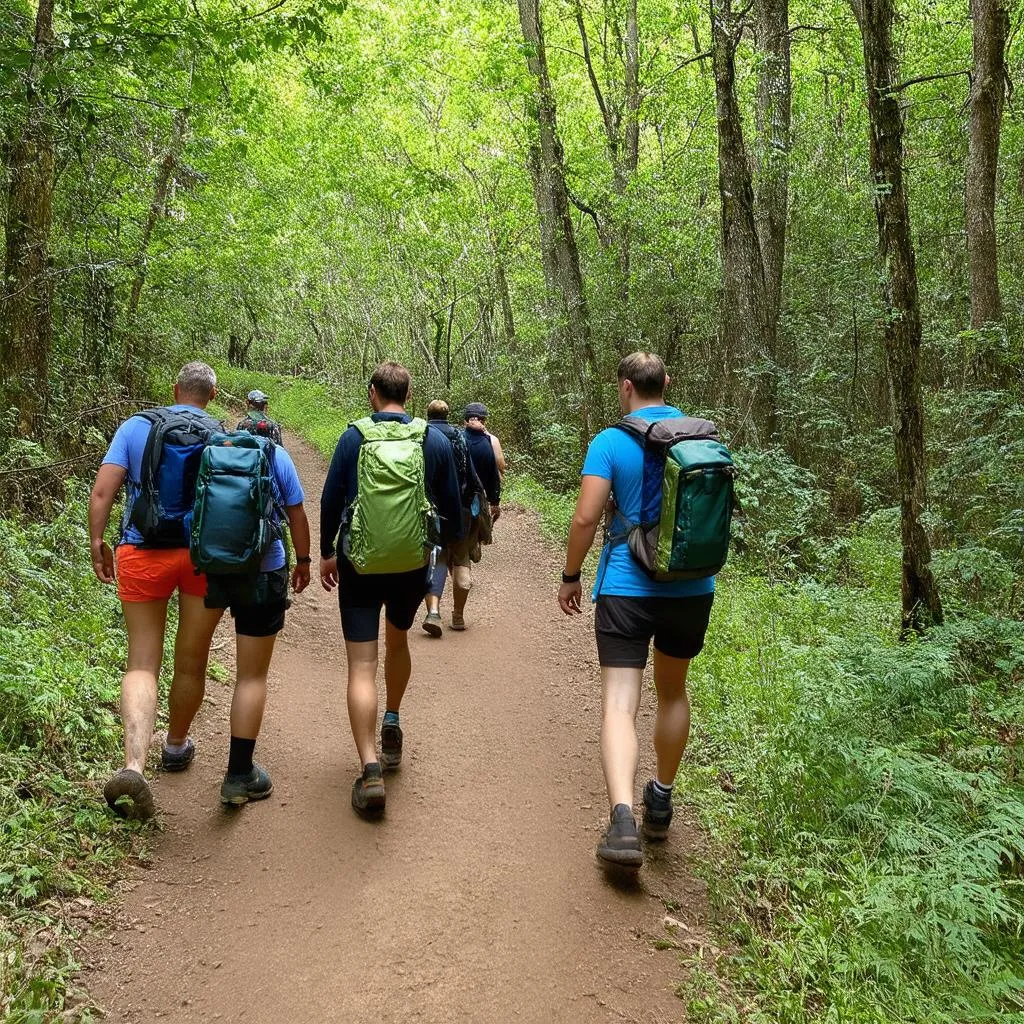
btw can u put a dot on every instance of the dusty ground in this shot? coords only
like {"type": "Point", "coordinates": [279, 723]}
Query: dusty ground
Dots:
{"type": "Point", "coordinates": [476, 899]}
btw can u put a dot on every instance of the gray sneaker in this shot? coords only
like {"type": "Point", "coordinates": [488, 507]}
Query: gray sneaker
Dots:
{"type": "Point", "coordinates": [432, 625]}
{"type": "Point", "coordinates": [178, 761]}
{"type": "Point", "coordinates": [240, 789]}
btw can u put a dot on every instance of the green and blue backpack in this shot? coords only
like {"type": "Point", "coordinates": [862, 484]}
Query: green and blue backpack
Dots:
{"type": "Point", "coordinates": [236, 514]}
{"type": "Point", "coordinates": [687, 499]}
{"type": "Point", "coordinates": [391, 525]}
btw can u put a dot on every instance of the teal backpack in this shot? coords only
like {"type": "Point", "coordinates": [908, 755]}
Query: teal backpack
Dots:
{"type": "Point", "coordinates": [687, 499]}
{"type": "Point", "coordinates": [235, 517]}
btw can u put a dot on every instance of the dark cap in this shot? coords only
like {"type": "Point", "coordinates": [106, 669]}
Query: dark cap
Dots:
{"type": "Point", "coordinates": [256, 396]}
{"type": "Point", "coordinates": [475, 409]}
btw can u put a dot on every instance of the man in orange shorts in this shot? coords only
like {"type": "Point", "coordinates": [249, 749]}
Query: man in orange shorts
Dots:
{"type": "Point", "coordinates": [147, 576]}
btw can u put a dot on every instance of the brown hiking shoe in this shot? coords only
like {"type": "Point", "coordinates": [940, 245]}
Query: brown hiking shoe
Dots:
{"type": "Point", "coordinates": [368, 796]}
{"type": "Point", "coordinates": [458, 622]}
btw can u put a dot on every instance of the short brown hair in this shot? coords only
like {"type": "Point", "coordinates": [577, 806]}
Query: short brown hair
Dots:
{"type": "Point", "coordinates": [438, 410]}
{"type": "Point", "coordinates": [391, 381]}
{"type": "Point", "coordinates": [646, 372]}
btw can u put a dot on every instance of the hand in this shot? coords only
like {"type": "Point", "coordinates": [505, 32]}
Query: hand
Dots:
{"type": "Point", "coordinates": [495, 513]}
{"type": "Point", "coordinates": [570, 598]}
{"type": "Point", "coordinates": [103, 562]}
{"type": "Point", "coordinates": [329, 573]}
{"type": "Point", "coordinates": [300, 577]}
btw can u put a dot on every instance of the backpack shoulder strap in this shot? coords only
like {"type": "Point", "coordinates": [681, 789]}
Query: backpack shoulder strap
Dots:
{"type": "Point", "coordinates": [364, 425]}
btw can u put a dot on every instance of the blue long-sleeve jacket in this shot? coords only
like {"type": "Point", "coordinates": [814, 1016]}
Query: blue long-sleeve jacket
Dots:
{"type": "Point", "coordinates": [342, 483]}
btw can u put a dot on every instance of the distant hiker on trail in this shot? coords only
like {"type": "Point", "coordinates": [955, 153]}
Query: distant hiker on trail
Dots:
{"type": "Point", "coordinates": [455, 558]}
{"type": "Point", "coordinates": [256, 420]}
{"type": "Point", "coordinates": [489, 463]}
{"type": "Point", "coordinates": [159, 453]}
{"type": "Point", "coordinates": [392, 492]}
{"type": "Point", "coordinates": [648, 590]}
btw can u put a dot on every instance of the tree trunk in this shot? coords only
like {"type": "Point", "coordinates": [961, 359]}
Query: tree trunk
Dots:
{"type": "Point", "coordinates": [747, 327]}
{"type": "Point", "coordinates": [774, 103]}
{"type": "Point", "coordinates": [553, 203]}
{"type": "Point", "coordinates": [161, 184]}
{"type": "Point", "coordinates": [921, 602]}
{"type": "Point", "coordinates": [988, 90]}
{"type": "Point", "coordinates": [26, 333]}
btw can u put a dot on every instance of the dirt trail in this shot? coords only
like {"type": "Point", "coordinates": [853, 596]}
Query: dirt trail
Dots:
{"type": "Point", "coordinates": [476, 899]}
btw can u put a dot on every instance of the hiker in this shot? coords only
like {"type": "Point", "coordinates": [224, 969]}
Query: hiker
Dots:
{"type": "Point", "coordinates": [635, 605]}
{"type": "Point", "coordinates": [456, 558]}
{"type": "Point", "coordinates": [392, 493]}
{"type": "Point", "coordinates": [157, 454]}
{"type": "Point", "coordinates": [489, 463]}
{"type": "Point", "coordinates": [256, 421]}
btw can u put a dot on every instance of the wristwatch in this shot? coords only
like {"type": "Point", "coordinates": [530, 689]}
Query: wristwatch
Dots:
{"type": "Point", "coordinates": [571, 577]}
{"type": "Point", "coordinates": [304, 561]}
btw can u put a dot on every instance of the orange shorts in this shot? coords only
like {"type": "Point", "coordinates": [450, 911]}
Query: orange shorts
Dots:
{"type": "Point", "coordinates": [153, 574]}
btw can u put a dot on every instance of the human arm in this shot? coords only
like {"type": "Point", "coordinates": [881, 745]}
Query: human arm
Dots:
{"type": "Point", "coordinates": [101, 501]}
{"type": "Point", "coordinates": [590, 506]}
{"type": "Point", "coordinates": [299, 526]}
{"type": "Point", "coordinates": [334, 498]}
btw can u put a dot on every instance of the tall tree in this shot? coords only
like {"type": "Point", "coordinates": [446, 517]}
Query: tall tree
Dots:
{"type": "Point", "coordinates": [26, 332]}
{"type": "Point", "coordinates": [547, 166]}
{"type": "Point", "coordinates": [988, 88]}
{"type": "Point", "coordinates": [773, 115]}
{"type": "Point", "coordinates": [747, 325]}
{"type": "Point", "coordinates": [921, 602]}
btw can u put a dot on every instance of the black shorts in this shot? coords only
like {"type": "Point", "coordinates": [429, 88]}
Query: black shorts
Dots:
{"type": "Point", "coordinates": [257, 603]}
{"type": "Point", "coordinates": [361, 598]}
{"type": "Point", "coordinates": [625, 626]}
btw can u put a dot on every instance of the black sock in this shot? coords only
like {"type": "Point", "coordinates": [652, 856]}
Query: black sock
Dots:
{"type": "Point", "coordinates": [240, 756]}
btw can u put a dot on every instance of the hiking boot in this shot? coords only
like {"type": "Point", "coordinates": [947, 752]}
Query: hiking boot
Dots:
{"type": "Point", "coordinates": [240, 789]}
{"type": "Point", "coordinates": [177, 761]}
{"type": "Point", "coordinates": [657, 813]}
{"type": "Point", "coordinates": [432, 624]}
{"type": "Point", "coordinates": [128, 795]}
{"type": "Point", "coordinates": [368, 791]}
{"type": "Point", "coordinates": [390, 746]}
{"type": "Point", "coordinates": [620, 845]}
{"type": "Point", "coordinates": [458, 622]}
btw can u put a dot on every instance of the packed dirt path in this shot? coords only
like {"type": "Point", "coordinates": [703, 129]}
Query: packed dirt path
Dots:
{"type": "Point", "coordinates": [477, 898]}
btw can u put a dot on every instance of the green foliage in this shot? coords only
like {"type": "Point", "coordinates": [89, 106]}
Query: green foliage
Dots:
{"type": "Point", "coordinates": [61, 652]}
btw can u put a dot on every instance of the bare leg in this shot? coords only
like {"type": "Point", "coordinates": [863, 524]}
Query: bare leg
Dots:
{"type": "Point", "coordinates": [433, 604]}
{"type": "Point", "coordinates": [672, 725]}
{"type": "Point", "coordinates": [362, 697]}
{"type": "Point", "coordinates": [254, 654]}
{"type": "Point", "coordinates": [620, 751]}
{"type": "Point", "coordinates": [145, 622]}
{"type": "Point", "coordinates": [196, 624]}
{"type": "Point", "coordinates": [397, 666]}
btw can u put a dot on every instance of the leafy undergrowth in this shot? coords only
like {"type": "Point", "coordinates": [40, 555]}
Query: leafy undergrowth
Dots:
{"type": "Point", "coordinates": [864, 796]}
{"type": "Point", "coordinates": [61, 655]}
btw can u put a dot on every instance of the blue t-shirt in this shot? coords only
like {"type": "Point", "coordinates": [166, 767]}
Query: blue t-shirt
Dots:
{"type": "Point", "coordinates": [617, 456]}
{"type": "Point", "coordinates": [129, 444]}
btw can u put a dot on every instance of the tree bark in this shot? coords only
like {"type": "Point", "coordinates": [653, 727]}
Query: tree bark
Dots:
{"type": "Point", "coordinates": [161, 185]}
{"type": "Point", "coordinates": [547, 164]}
{"type": "Point", "coordinates": [922, 605]}
{"type": "Point", "coordinates": [26, 333]}
{"type": "Point", "coordinates": [747, 326]}
{"type": "Point", "coordinates": [773, 115]}
{"type": "Point", "coordinates": [988, 90]}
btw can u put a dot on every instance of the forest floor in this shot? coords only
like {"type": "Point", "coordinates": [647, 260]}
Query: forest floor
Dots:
{"type": "Point", "coordinates": [476, 898]}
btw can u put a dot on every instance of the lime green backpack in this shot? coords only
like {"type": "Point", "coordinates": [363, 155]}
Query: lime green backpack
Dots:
{"type": "Point", "coordinates": [391, 522]}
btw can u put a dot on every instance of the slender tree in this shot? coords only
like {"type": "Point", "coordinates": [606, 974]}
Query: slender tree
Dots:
{"type": "Point", "coordinates": [921, 602]}
{"type": "Point", "coordinates": [558, 238]}
{"type": "Point", "coordinates": [26, 331]}
{"type": "Point", "coordinates": [747, 325]}
{"type": "Point", "coordinates": [991, 20]}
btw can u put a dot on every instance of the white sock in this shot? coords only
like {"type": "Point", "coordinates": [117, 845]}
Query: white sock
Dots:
{"type": "Point", "coordinates": [665, 792]}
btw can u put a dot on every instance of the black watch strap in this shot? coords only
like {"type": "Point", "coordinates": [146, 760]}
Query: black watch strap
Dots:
{"type": "Point", "coordinates": [304, 561]}
{"type": "Point", "coordinates": [571, 578]}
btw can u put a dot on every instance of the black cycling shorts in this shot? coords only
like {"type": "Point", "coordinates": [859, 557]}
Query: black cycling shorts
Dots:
{"type": "Point", "coordinates": [626, 625]}
{"type": "Point", "coordinates": [257, 603]}
{"type": "Point", "coordinates": [361, 597]}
